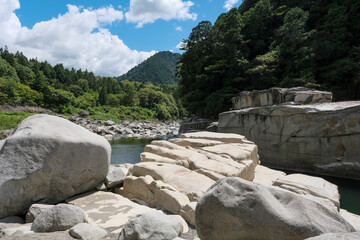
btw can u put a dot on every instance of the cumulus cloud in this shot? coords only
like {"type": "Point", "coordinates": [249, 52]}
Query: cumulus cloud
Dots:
{"type": "Point", "coordinates": [178, 28]}
{"type": "Point", "coordinates": [148, 11]}
{"type": "Point", "coordinates": [181, 45]}
{"type": "Point", "coordinates": [78, 39]}
{"type": "Point", "coordinates": [230, 3]}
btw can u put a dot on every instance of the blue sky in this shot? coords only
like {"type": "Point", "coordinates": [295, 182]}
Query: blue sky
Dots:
{"type": "Point", "coordinates": [106, 37]}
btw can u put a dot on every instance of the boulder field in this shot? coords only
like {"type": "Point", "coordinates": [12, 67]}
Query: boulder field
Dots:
{"type": "Point", "coordinates": [207, 185]}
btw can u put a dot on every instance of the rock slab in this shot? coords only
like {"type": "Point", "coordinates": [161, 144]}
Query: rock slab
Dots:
{"type": "Point", "coordinates": [234, 208]}
{"type": "Point", "coordinates": [47, 160]}
{"type": "Point", "coordinates": [320, 138]}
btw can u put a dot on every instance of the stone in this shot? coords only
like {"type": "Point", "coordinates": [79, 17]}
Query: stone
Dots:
{"type": "Point", "coordinates": [151, 226]}
{"type": "Point", "coordinates": [107, 210]}
{"type": "Point", "coordinates": [223, 137]}
{"type": "Point", "coordinates": [321, 138]}
{"type": "Point", "coordinates": [188, 212]}
{"type": "Point", "coordinates": [7, 230]}
{"type": "Point", "coordinates": [101, 187]}
{"type": "Point", "coordinates": [266, 176]}
{"type": "Point", "coordinates": [337, 236]}
{"type": "Point", "coordinates": [197, 124]}
{"type": "Point", "coordinates": [109, 123]}
{"type": "Point", "coordinates": [315, 188]}
{"type": "Point", "coordinates": [83, 113]}
{"type": "Point", "coordinates": [190, 183]}
{"type": "Point", "coordinates": [352, 218]}
{"type": "Point", "coordinates": [35, 211]}
{"type": "Point", "coordinates": [85, 231]}
{"type": "Point", "coordinates": [58, 218]}
{"type": "Point", "coordinates": [51, 160]}
{"type": "Point", "coordinates": [273, 96]}
{"type": "Point", "coordinates": [154, 193]}
{"type": "Point", "coordinates": [234, 208]}
{"type": "Point", "coordinates": [114, 177]}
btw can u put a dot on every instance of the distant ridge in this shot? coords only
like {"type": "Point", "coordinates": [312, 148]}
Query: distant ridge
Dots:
{"type": "Point", "coordinates": [159, 68]}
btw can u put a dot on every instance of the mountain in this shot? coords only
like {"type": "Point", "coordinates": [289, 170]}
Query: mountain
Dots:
{"type": "Point", "coordinates": [159, 68]}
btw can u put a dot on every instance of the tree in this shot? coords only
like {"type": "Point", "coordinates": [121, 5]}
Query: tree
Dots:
{"type": "Point", "coordinates": [103, 96]}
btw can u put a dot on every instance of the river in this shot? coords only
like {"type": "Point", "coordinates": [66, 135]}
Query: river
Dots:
{"type": "Point", "coordinates": [128, 151]}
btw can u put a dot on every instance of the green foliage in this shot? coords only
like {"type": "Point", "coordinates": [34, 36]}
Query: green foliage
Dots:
{"type": "Point", "coordinates": [9, 120]}
{"type": "Point", "coordinates": [159, 68]}
{"type": "Point", "coordinates": [29, 82]}
{"type": "Point", "coordinates": [267, 43]}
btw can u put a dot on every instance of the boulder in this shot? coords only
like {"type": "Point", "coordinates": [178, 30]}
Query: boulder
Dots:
{"type": "Point", "coordinates": [107, 210]}
{"type": "Point", "coordinates": [234, 208]}
{"type": "Point", "coordinates": [114, 177]}
{"type": "Point", "coordinates": [35, 211]}
{"type": "Point", "coordinates": [353, 219]}
{"type": "Point", "coordinates": [320, 138]}
{"type": "Point", "coordinates": [266, 176]}
{"type": "Point", "coordinates": [85, 231]}
{"type": "Point", "coordinates": [188, 212]}
{"type": "Point", "coordinates": [151, 226]}
{"type": "Point", "coordinates": [188, 182]}
{"type": "Point", "coordinates": [58, 218]}
{"type": "Point", "coordinates": [154, 193]}
{"type": "Point", "coordinates": [51, 160]}
{"type": "Point", "coordinates": [12, 219]}
{"type": "Point", "coordinates": [83, 113]}
{"type": "Point", "coordinates": [337, 236]}
{"type": "Point", "coordinates": [315, 188]}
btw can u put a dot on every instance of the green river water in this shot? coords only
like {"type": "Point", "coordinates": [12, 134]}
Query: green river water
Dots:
{"type": "Point", "coordinates": [128, 151]}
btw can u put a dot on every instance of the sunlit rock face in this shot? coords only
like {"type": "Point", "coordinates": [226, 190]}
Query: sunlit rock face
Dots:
{"type": "Point", "coordinates": [48, 159]}
{"type": "Point", "coordinates": [320, 138]}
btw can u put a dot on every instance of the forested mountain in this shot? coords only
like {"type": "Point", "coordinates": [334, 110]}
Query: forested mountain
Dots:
{"type": "Point", "coordinates": [159, 68]}
{"type": "Point", "coordinates": [267, 43]}
{"type": "Point", "coordinates": [26, 81]}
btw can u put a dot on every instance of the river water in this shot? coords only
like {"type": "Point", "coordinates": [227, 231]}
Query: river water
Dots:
{"type": "Point", "coordinates": [128, 151]}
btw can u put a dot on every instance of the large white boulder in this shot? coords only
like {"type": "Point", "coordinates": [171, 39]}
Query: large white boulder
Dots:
{"type": "Point", "coordinates": [234, 208]}
{"type": "Point", "coordinates": [47, 160]}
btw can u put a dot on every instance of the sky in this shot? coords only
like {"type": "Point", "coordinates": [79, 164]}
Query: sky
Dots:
{"type": "Point", "coordinates": [107, 37]}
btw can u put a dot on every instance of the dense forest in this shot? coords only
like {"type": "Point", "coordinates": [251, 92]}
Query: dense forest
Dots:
{"type": "Point", "coordinates": [267, 43]}
{"type": "Point", "coordinates": [26, 81]}
{"type": "Point", "coordinates": [159, 68]}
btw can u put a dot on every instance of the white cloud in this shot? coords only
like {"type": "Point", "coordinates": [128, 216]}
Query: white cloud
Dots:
{"type": "Point", "coordinates": [178, 28]}
{"type": "Point", "coordinates": [148, 11]}
{"type": "Point", "coordinates": [77, 39]}
{"type": "Point", "coordinates": [229, 4]}
{"type": "Point", "coordinates": [181, 45]}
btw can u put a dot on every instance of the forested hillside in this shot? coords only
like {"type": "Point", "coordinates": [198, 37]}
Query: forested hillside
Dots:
{"type": "Point", "coordinates": [267, 43]}
{"type": "Point", "coordinates": [159, 68]}
{"type": "Point", "coordinates": [26, 81]}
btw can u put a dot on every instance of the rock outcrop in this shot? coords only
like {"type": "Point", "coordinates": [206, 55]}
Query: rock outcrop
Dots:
{"type": "Point", "coordinates": [174, 174]}
{"type": "Point", "coordinates": [321, 138]}
{"type": "Point", "coordinates": [47, 160]}
{"type": "Point", "coordinates": [275, 96]}
{"type": "Point", "coordinates": [251, 211]}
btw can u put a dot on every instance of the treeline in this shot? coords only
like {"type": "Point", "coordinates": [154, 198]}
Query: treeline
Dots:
{"type": "Point", "coordinates": [26, 81]}
{"type": "Point", "coordinates": [267, 43]}
{"type": "Point", "coordinates": [159, 68]}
